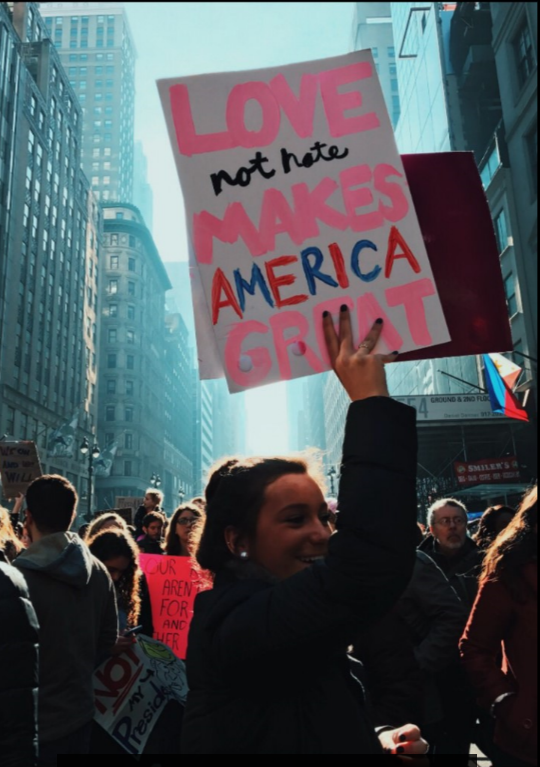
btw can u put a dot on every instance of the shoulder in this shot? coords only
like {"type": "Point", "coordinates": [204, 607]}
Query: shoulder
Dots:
{"type": "Point", "coordinates": [12, 583]}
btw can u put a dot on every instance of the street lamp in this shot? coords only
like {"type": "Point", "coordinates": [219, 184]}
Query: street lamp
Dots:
{"type": "Point", "coordinates": [332, 474]}
{"type": "Point", "coordinates": [92, 454]}
{"type": "Point", "coordinates": [155, 480]}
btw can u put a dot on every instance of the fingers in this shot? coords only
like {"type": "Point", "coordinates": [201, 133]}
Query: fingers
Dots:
{"type": "Point", "coordinates": [387, 359]}
{"type": "Point", "coordinates": [345, 329]}
{"type": "Point", "coordinates": [330, 336]}
{"type": "Point", "coordinates": [409, 732]}
{"type": "Point", "coordinates": [372, 338]}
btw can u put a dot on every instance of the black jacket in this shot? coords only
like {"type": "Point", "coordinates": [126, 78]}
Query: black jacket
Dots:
{"type": "Point", "coordinates": [267, 668]}
{"type": "Point", "coordinates": [18, 671]}
{"type": "Point", "coordinates": [463, 570]}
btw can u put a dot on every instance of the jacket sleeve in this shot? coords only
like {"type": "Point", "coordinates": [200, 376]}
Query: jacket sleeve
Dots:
{"type": "Point", "coordinates": [18, 672]}
{"type": "Point", "coordinates": [480, 646]}
{"type": "Point", "coordinates": [445, 612]}
{"type": "Point", "coordinates": [370, 559]}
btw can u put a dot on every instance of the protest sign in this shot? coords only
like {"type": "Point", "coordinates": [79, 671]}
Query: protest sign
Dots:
{"type": "Point", "coordinates": [297, 203]}
{"type": "Point", "coordinates": [129, 502]}
{"type": "Point", "coordinates": [132, 689]}
{"type": "Point", "coordinates": [173, 586]}
{"type": "Point", "coordinates": [19, 466]}
{"type": "Point", "coordinates": [488, 471]}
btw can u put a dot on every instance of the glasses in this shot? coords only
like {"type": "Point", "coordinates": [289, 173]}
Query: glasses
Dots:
{"type": "Point", "coordinates": [186, 522]}
{"type": "Point", "coordinates": [449, 521]}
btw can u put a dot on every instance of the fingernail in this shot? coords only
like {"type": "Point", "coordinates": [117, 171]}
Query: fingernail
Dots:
{"type": "Point", "coordinates": [326, 314]}
{"type": "Point", "coordinates": [395, 354]}
{"type": "Point", "coordinates": [402, 738]}
{"type": "Point", "coordinates": [379, 321]}
{"type": "Point", "coordinates": [344, 308]}
{"type": "Point", "coordinates": [400, 750]}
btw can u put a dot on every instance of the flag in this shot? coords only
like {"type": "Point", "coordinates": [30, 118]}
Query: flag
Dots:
{"type": "Point", "coordinates": [61, 441]}
{"type": "Point", "coordinates": [503, 400]}
{"type": "Point", "coordinates": [508, 370]}
{"type": "Point", "coordinates": [103, 464]}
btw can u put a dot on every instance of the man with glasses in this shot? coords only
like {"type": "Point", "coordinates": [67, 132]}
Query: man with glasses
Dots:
{"type": "Point", "coordinates": [460, 559]}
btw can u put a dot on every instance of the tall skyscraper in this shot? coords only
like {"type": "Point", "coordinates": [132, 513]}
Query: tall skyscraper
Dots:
{"type": "Point", "coordinates": [372, 28]}
{"type": "Point", "coordinates": [96, 47]}
{"type": "Point", "coordinates": [49, 225]}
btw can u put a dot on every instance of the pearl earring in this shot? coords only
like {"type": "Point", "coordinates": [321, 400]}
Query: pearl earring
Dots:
{"type": "Point", "coordinates": [244, 555]}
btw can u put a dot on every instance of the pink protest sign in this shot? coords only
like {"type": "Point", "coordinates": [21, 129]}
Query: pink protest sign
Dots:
{"type": "Point", "coordinates": [173, 586]}
{"type": "Point", "coordinates": [297, 202]}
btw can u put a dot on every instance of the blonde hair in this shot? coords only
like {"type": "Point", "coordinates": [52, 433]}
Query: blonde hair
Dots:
{"type": "Point", "coordinates": [100, 522]}
{"type": "Point", "coordinates": [8, 540]}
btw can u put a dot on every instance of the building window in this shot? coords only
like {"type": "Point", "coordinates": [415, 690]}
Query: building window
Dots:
{"type": "Point", "coordinates": [110, 413]}
{"type": "Point", "coordinates": [131, 288]}
{"type": "Point", "coordinates": [130, 388]}
{"type": "Point", "coordinates": [115, 261]}
{"type": "Point", "coordinates": [111, 386]}
{"type": "Point", "coordinates": [119, 215]}
{"type": "Point", "coordinates": [511, 297]}
{"type": "Point", "coordinates": [391, 52]}
{"type": "Point", "coordinates": [501, 231]}
{"type": "Point", "coordinates": [111, 361]}
{"type": "Point", "coordinates": [130, 362]}
{"type": "Point", "coordinates": [129, 414]}
{"type": "Point", "coordinates": [131, 312]}
{"type": "Point", "coordinates": [128, 470]}
{"type": "Point", "coordinates": [113, 287]}
{"type": "Point", "coordinates": [524, 52]}
{"type": "Point", "coordinates": [131, 264]}
{"type": "Point", "coordinates": [113, 336]}
{"type": "Point", "coordinates": [113, 310]}
{"type": "Point", "coordinates": [128, 441]}
{"type": "Point", "coordinates": [130, 335]}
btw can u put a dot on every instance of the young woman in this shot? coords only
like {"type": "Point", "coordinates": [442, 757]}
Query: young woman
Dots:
{"type": "Point", "coordinates": [153, 501]}
{"type": "Point", "coordinates": [118, 552]}
{"type": "Point", "coordinates": [506, 613]}
{"type": "Point", "coordinates": [184, 523]}
{"type": "Point", "coordinates": [109, 521]}
{"type": "Point", "coordinates": [267, 665]}
{"type": "Point", "coordinates": [493, 522]}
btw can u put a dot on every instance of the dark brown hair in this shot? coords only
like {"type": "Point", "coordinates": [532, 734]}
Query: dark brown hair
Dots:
{"type": "Point", "coordinates": [52, 502]}
{"type": "Point", "coordinates": [487, 529]}
{"type": "Point", "coordinates": [173, 546]}
{"type": "Point", "coordinates": [515, 547]}
{"type": "Point", "coordinates": [110, 544]}
{"type": "Point", "coordinates": [153, 516]}
{"type": "Point", "coordinates": [235, 495]}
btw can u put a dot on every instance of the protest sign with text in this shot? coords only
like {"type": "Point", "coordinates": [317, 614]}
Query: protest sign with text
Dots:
{"type": "Point", "coordinates": [19, 466]}
{"type": "Point", "coordinates": [131, 691]}
{"type": "Point", "coordinates": [297, 202]}
{"type": "Point", "coordinates": [173, 586]}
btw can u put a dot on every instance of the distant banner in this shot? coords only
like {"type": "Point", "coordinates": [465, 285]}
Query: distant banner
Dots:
{"type": "Point", "coordinates": [173, 585]}
{"type": "Point", "coordinates": [488, 472]}
{"type": "Point", "coordinates": [104, 464]}
{"type": "Point", "coordinates": [61, 441]}
{"type": "Point", "coordinates": [132, 689]}
{"type": "Point", "coordinates": [19, 466]}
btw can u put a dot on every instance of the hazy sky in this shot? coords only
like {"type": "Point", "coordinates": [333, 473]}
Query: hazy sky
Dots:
{"type": "Point", "coordinates": [176, 39]}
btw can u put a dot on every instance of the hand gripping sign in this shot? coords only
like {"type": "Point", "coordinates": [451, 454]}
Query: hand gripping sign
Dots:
{"type": "Point", "coordinates": [297, 202]}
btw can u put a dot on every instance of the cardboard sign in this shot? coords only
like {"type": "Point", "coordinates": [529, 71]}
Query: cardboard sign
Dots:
{"type": "Point", "coordinates": [19, 466]}
{"type": "Point", "coordinates": [490, 471]}
{"type": "Point", "coordinates": [129, 502]}
{"type": "Point", "coordinates": [297, 203]}
{"type": "Point", "coordinates": [132, 689]}
{"type": "Point", "coordinates": [173, 586]}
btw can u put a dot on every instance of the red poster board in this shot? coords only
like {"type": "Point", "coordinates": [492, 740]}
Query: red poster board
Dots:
{"type": "Point", "coordinates": [489, 471]}
{"type": "Point", "coordinates": [173, 586]}
{"type": "Point", "coordinates": [460, 239]}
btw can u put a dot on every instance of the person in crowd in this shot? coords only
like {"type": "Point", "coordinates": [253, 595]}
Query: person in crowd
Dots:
{"type": "Point", "coordinates": [108, 521]}
{"type": "Point", "coordinates": [493, 522]}
{"type": "Point", "coordinates": [153, 531]}
{"type": "Point", "coordinates": [74, 599]}
{"type": "Point", "coordinates": [19, 641]}
{"type": "Point", "coordinates": [10, 545]}
{"type": "Point", "coordinates": [153, 501]}
{"type": "Point", "coordinates": [267, 665]}
{"type": "Point", "coordinates": [184, 522]}
{"type": "Point", "coordinates": [118, 552]}
{"type": "Point", "coordinates": [505, 615]}
{"type": "Point", "coordinates": [453, 550]}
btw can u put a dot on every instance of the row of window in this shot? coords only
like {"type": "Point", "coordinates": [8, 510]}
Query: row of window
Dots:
{"type": "Point", "coordinates": [112, 362]}
{"type": "Point", "coordinates": [114, 284]}
{"type": "Point", "coordinates": [96, 57]}
{"type": "Point", "coordinates": [115, 262]}
{"type": "Point", "coordinates": [113, 311]}
{"type": "Point", "coordinates": [112, 387]}
{"type": "Point", "coordinates": [391, 52]}
{"type": "Point", "coordinates": [128, 413]}
{"type": "Point", "coordinates": [112, 336]}
{"type": "Point", "coordinates": [84, 20]}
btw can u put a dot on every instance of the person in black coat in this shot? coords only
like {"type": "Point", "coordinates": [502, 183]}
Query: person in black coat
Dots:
{"type": "Point", "coordinates": [267, 666]}
{"type": "Point", "coordinates": [18, 671]}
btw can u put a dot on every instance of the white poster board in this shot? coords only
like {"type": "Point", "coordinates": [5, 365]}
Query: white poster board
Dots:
{"type": "Point", "coordinates": [297, 203]}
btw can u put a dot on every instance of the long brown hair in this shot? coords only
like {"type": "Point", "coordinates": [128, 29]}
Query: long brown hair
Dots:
{"type": "Point", "coordinates": [487, 529]}
{"type": "Point", "coordinates": [115, 543]}
{"type": "Point", "coordinates": [515, 547]}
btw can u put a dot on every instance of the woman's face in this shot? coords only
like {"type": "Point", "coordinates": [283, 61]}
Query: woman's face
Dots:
{"type": "Point", "coordinates": [293, 528]}
{"type": "Point", "coordinates": [117, 567]}
{"type": "Point", "coordinates": [150, 502]}
{"type": "Point", "coordinates": [185, 525]}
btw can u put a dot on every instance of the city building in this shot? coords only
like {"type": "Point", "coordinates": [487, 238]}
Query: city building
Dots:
{"type": "Point", "coordinates": [372, 28]}
{"type": "Point", "coordinates": [142, 366]}
{"type": "Point", "coordinates": [49, 239]}
{"type": "Point", "coordinates": [96, 47]}
{"type": "Point", "coordinates": [143, 196]}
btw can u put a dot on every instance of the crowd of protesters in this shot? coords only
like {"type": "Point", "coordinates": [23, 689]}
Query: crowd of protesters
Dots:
{"type": "Point", "coordinates": [329, 628]}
